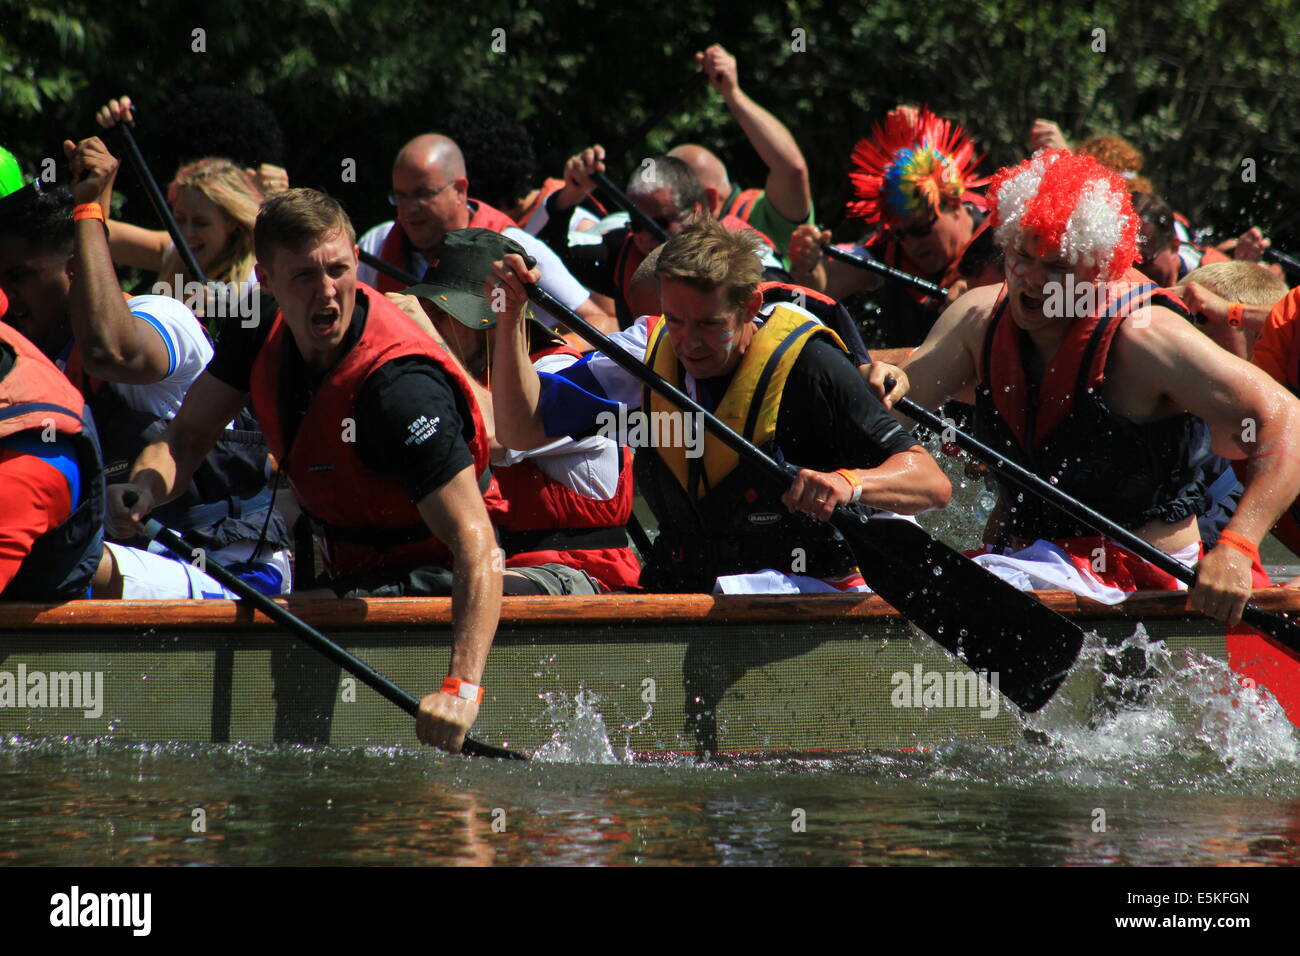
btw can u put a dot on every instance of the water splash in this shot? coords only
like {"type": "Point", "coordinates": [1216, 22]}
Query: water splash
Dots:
{"type": "Point", "coordinates": [578, 733]}
{"type": "Point", "coordinates": [1153, 703]}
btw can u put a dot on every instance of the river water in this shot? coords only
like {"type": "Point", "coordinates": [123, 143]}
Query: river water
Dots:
{"type": "Point", "coordinates": [1141, 787]}
{"type": "Point", "coordinates": [1193, 770]}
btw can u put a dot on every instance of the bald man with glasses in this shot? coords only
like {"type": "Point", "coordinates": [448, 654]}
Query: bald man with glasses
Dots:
{"type": "Point", "coordinates": [430, 194]}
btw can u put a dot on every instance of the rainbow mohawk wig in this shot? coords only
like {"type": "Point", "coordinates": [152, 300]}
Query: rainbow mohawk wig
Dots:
{"type": "Point", "coordinates": [909, 166]}
{"type": "Point", "coordinates": [1078, 208]}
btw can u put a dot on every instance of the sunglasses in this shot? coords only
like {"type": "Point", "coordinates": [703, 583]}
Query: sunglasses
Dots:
{"type": "Point", "coordinates": [917, 230]}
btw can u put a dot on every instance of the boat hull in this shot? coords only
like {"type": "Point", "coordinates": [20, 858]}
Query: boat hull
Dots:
{"type": "Point", "coordinates": [667, 675]}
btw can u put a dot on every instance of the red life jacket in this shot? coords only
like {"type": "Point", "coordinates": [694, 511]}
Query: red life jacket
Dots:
{"type": "Point", "coordinates": [536, 502]}
{"type": "Point", "coordinates": [365, 518]}
{"type": "Point", "coordinates": [33, 395]}
{"type": "Point", "coordinates": [397, 250]}
{"type": "Point", "coordinates": [549, 188]}
{"type": "Point", "coordinates": [742, 203]}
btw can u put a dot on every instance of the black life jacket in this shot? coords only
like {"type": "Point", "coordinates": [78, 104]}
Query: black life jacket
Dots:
{"type": "Point", "coordinates": [1062, 430]}
{"type": "Point", "coordinates": [718, 514]}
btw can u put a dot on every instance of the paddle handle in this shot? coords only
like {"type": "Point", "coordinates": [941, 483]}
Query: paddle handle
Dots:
{"type": "Point", "coordinates": [888, 271]}
{"type": "Point", "coordinates": [1275, 625]}
{"type": "Point", "coordinates": [159, 203]}
{"type": "Point", "coordinates": [318, 641]}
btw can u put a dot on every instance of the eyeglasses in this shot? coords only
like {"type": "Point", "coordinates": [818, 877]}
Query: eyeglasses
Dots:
{"type": "Point", "coordinates": [421, 197]}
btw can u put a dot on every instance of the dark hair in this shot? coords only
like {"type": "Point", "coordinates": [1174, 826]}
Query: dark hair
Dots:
{"type": "Point", "coordinates": [1157, 222]}
{"type": "Point", "coordinates": [658, 172]}
{"type": "Point", "coordinates": [295, 217]}
{"type": "Point", "coordinates": [42, 218]}
{"type": "Point", "coordinates": [210, 121]}
{"type": "Point", "coordinates": [499, 159]}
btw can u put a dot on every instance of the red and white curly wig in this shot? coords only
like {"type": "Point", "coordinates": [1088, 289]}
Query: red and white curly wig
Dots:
{"type": "Point", "coordinates": [1079, 209]}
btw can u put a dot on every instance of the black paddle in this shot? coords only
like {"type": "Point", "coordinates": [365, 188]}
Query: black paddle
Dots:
{"type": "Point", "coordinates": [1289, 262]}
{"type": "Point", "coordinates": [387, 268]}
{"type": "Point", "coordinates": [335, 652]}
{"type": "Point", "coordinates": [1027, 647]}
{"type": "Point", "coordinates": [158, 202]}
{"type": "Point", "coordinates": [888, 271]}
{"type": "Point", "coordinates": [620, 199]}
{"type": "Point", "coordinates": [1282, 629]}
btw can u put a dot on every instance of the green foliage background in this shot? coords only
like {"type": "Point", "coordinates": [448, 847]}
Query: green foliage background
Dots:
{"type": "Point", "coordinates": [1198, 84]}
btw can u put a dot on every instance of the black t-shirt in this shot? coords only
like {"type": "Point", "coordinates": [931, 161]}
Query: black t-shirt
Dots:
{"type": "Point", "coordinates": [828, 418]}
{"type": "Point", "coordinates": [411, 421]}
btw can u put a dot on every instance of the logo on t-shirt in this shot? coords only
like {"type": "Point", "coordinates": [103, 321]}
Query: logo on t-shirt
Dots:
{"type": "Point", "coordinates": [422, 429]}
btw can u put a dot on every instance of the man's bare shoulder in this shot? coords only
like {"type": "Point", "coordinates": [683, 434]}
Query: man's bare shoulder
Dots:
{"type": "Point", "coordinates": [1155, 332]}
{"type": "Point", "coordinates": [974, 306]}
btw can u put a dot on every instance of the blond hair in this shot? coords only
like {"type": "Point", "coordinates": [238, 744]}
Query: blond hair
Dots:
{"type": "Point", "coordinates": [1238, 281]}
{"type": "Point", "coordinates": [708, 256]}
{"type": "Point", "coordinates": [234, 192]}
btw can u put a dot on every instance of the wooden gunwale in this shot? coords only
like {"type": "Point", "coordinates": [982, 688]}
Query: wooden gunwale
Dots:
{"type": "Point", "coordinates": [556, 611]}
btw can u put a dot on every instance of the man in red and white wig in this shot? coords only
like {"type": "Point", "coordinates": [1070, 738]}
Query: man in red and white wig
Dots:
{"type": "Point", "coordinates": [1090, 378]}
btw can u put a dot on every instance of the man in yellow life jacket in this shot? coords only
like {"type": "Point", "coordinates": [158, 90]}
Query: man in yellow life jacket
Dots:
{"type": "Point", "coordinates": [775, 374]}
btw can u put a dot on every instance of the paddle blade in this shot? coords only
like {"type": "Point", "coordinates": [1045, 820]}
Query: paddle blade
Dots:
{"type": "Point", "coordinates": [987, 623]}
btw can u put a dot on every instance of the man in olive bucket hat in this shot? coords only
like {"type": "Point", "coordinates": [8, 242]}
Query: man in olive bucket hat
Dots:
{"type": "Point", "coordinates": [567, 502]}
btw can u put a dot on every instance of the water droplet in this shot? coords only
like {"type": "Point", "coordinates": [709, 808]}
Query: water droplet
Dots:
{"type": "Point", "coordinates": [938, 571]}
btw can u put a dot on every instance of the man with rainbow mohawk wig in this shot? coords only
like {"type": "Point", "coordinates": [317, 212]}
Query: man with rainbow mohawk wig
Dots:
{"type": "Point", "coordinates": [913, 180]}
{"type": "Point", "coordinates": [1086, 375]}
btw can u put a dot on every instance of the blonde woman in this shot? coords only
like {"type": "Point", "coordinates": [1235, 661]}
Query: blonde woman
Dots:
{"type": "Point", "coordinates": [215, 204]}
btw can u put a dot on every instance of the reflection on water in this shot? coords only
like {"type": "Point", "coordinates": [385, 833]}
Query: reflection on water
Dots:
{"type": "Point", "coordinates": [1182, 767]}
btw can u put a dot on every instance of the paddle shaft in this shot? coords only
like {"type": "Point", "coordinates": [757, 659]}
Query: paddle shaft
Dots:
{"type": "Point", "coordinates": [159, 204]}
{"type": "Point", "coordinates": [387, 268]}
{"type": "Point", "coordinates": [318, 641]}
{"type": "Point", "coordinates": [1273, 624]}
{"type": "Point", "coordinates": [621, 200]}
{"type": "Point", "coordinates": [995, 628]}
{"type": "Point", "coordinates": [888, 271]}
{"type": "Point", "coordinates": [1278, 256]}
{"type": "Point", "coordinates": [637, 369]}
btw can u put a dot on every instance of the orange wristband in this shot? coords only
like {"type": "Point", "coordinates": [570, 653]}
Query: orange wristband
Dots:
{"type": "Point", "coordinates": [854, 482]}
{"type": "Point", "coordinates": [1240, 543]}
{"type": "Point", "coordinates": [1235, 311]}
{"type": "Point", "coordinates": [462, 689]}
{"type": "Point", "coordinates": [88, 210]}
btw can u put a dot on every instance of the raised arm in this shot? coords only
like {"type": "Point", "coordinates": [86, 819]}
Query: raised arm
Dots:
{"type": "Point", "coordinates": [788, 188]}
{"type": "Point", "coordinates": [516, 387]}
{"type": "Point", "coordinates": [115, 346]}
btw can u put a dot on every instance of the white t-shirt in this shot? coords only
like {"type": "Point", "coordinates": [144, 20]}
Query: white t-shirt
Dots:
{"type": "Point", "coordinates": [556, 278]}
{"type": "Point", "coordinates": [188, 354]}
{"type": "Point", "coordinates": [590, 466]}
